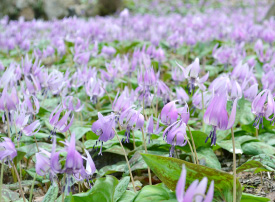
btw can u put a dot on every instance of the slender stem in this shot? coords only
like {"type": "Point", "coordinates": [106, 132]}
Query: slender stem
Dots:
{"type": "Point", "coordinates": [30, 199]}
{"type": "Point", "coordinates": [193, 143]}
{"type": "Point", "coordinates": [202, 104]}
{"type": "Point", "coordinates": [36, 143]}
{"type": "Point", "coordinates": [134, 142]}
{"type": "Point", "coordinates": [131, 175]}
{"type": "Point", "coordinates": [234, 166]}
{"type": "Point", "coordinates": [20, 170]}
{"type": "Point", "coordinates": [19, 182]}
{"type": "Point", "coordinates": [63, 193]}
{"type": "Point", "coordinates": [157, 107]}
{"type": "Point", "coordinates": [145, 148]}
{"type": "Point", "coordinates": [1, 180]}
{"type": "Point", "coordinates": [193, 155]}
{"type": "Point", "coordinates": [8, 122]}
{"type": "Point", "coordinates": [257, 133]}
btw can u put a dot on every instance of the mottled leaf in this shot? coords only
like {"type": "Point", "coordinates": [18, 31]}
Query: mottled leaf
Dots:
{"type": "Point", "coordinates": [169, 169]}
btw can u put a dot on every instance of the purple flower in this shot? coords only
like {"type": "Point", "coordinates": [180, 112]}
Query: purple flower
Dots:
{"type": "Point", "coordinates": [182, 95]}
{"type": "Point", "coordinates": [32, 104]}
{"type": "Point", "coordinates": [169, 113]}
{"type": "Point", "coordinates": [68, 103]}
{"type": "Point", "coordinates": [175, 134]}
{"type": "Point", "coordinates": [63, 124]}
{"type": "Point", "coordinates": [216, 115]}
{"type": "Point", "coordinates": [263, 106]}
{"type": "Point", "coordinates": [131, 119]}
{"type": "Point", "coordinates": [195, 191]}
{"type": "Point", "coordinates": [122, 102]}
{"type": "Point", "coordinates": [94, 88]}
{"type": "Point", "coordinates": [192, 73]}
{"type": "Point", "coordinates": [9, 101]}
{"type": "Point", "coordinates": [251, 92]}
{"type": "Point", "coordinates": [150, 127]}
{"type": "Point", "coordinates": [103, 128]}
{"type": "Point", "coordinates": [8, 151]}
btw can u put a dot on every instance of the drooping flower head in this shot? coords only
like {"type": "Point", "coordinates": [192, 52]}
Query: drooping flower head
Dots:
{"type": "Point", "coordinates": [7, 150]}
{"type": "Point", "coordinates": [103, 127]}
{"type": "Point", "coordinates": [217, 116]}
{"type": "Point", "coordinates": [262, 106]}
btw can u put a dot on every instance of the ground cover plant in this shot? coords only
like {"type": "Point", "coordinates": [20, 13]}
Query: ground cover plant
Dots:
{"type": "Point", "coordinates": [149, 105]}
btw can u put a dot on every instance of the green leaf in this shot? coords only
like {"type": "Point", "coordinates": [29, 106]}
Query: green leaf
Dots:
{"type": "Point", "coordinates": [102, 191]}
{"type": "Point", "coordinates": [80, 131]}
{"type": "Point", "coordinates": [200, 138]}
{"type": "Point", "coordinates": [152, 193]}
{"type": "Point", "coordinates": [168, 170]}
{"type": "Point", "coordinates": [121, 188]}
{"type": "Point", "coordinates": [252, 164]}
{"type": "Point", "coordinates": [227, 145]}
{"type": "Point", "coordinates": [127, 196]}
{"type": "Point", "coordinates": [51, 194]}
{"type": "Point", "coordinates": [210, 158]}
{"type": "Point", "coordinates": [252, 198]}
{"type": "Point", "coordinates": [255, 148]}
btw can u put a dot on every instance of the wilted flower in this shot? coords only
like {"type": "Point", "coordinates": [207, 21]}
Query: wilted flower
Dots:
{"type": "Point", "coordinates": [196, 191]}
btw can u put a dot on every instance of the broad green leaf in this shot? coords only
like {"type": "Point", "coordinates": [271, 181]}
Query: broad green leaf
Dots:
{"type": "Point", "coordinates": [80, 131]}
{"type": "Point", "coordinates": [156, 193]}
{"type": "Point", "coordinates": [121, 188]}
{"type": "Point", "coordinates": [127, 196]}
{"type": "Point", "coordinates": [227, 145]}
{"type": "Point", "coordinates": [168, 170]}
{"type": "Point", "coordinates": [255, 148]}
{"type": "Point", "coordinates": [51, 194]}
{"type": "Point", "coordinates": [102, 191]}
{"type": "Point", "coordinates": [252, 198]}
{"type": "Point", "coordinates": [210, 158]}
{"type": "Point", "coordinates": [199, 140]}
{"type": "Point", "coordinates": [107, 170]}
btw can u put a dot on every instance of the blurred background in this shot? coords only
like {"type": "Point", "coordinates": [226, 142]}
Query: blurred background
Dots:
{"type": "Point", "coordinates": [57, 9]}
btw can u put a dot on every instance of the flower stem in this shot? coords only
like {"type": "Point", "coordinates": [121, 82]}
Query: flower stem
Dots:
{"type": "Point", "coordinates": [131, 175]}
{"type": "Point", "coordinates": [30, 199]}
{"type": "Point", "coordinates": [202, 104]}
{"type": "Point", "coordinates": [8, 122]}
{"type": "Point", "coordinates": [234, 166]}
{"type": "Point", "coordinates": [19, 182]}
{"type": "Point", "coordinates": [145, 148]}
{"type": "Point", "coordinates": [257, 133]}
{"type": "Point", "coordinates": [1, 180]}
{"type": "Point", "coordinates": [134, 142]}
{"type": "Point", "coordinates": [64, 184]}
{"type": "Point", "coordinates": [193, 155]}
{"type": "Point", "coordinates": [193, 143]}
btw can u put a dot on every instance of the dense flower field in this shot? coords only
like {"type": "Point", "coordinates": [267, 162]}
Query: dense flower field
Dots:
{"type": "Point", "coordinates": [162, 106]}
